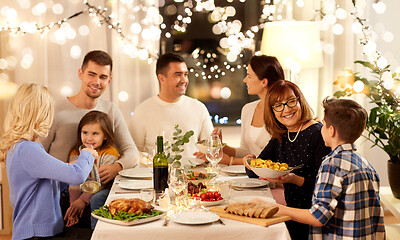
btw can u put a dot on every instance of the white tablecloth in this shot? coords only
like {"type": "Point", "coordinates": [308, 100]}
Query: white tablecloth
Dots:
{"type": "Point", "coordinates": [213, 231]}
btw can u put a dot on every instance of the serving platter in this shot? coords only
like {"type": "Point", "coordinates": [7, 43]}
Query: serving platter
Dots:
{"type": "Point", "coordinates": [129, 223]}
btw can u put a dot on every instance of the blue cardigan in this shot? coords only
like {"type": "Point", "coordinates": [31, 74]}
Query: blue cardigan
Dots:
{"type": "Point", "coordinates": [34, 178]}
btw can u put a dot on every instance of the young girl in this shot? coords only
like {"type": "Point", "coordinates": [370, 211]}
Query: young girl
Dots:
{"type": "Point", "coordinates": [94, 129]}
{"type": "Point", "coordinates": [34, 176]}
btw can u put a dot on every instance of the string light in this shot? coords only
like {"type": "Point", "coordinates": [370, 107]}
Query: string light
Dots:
{"type": "Point", "coordinates": [100, 16]}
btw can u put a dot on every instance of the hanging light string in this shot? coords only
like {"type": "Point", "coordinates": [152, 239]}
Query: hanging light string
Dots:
{"type": "Point", "coordinates": [386, 82]}
{"type": "Point", "coordinates": [100, 13]}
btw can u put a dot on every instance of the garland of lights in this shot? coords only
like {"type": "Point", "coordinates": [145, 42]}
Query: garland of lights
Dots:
{"type": "Point", "coordinates": [99, 13]}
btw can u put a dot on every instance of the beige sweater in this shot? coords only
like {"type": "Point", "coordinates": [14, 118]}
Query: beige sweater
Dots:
{"type": "Point", "coordinates": [63, 133]}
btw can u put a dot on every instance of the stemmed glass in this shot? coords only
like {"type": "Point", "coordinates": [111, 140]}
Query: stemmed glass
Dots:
{"type": "Point", "coordinates": [214, 151]}
{"type": "Point", "coordinates": [177, 181]}
{"type": "Point", "coordinates": [92, 185]}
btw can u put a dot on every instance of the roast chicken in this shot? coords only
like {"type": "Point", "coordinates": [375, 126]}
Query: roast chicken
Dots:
{"type": "Point", "coordinates": [249, 209]}
{"type": "Point", "coordinates": [132, 205]}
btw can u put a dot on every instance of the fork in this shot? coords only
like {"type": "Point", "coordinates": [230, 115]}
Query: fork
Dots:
{"type": "Point", "coordinates": [166, 221]}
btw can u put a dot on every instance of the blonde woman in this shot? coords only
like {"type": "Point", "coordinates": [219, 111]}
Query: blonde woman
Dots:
{"type": "Point", "coordinates": [34, 176]}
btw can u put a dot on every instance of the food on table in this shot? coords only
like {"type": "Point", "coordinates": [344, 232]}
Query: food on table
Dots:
{"type": "Point", "coordinates": [210, 196]}
{"type": "Point", "coordinates": [127, 210]}
{"type": "Point", "coordinates": [249, 209]}
{"type": "Point", "coordinates": [133, 205]}
{"type": "Point", "coordinates": [195, 175]}
{"type": "Point", "coordinates": [269, 164]}
{"type": "Point", "coordinates": [195, 188]}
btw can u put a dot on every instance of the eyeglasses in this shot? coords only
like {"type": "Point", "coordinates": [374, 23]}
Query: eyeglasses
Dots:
{"type": "Point", "coordinates": [278, 107]}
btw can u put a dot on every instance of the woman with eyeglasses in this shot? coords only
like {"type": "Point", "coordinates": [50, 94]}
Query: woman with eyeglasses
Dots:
{"type": "Point", "coordinates": [296, 140]}
{"type": "Point", "coordinates": [262, 72]}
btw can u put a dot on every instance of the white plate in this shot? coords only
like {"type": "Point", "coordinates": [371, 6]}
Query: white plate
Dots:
{"type": "Point", "coordinates": [194, 217]}
{"type": "Point", "coordinates": [247, 198]}
{"type": "Point", "coordinates": [136, 185]}
{"type": "Point", "coordinates": [192, 161]}
{"type": "Point", "coordinates": [249, 183]}
{"type": "Point", "coordinates": [136, 173]}
{"type": "Point", "coordinates": [212, 203]}
{"type": "Point", "coordinates": [234, 169]}
{"type": "Point", "coordinates": [130, 223]}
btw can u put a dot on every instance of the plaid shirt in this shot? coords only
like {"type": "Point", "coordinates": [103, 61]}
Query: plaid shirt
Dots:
{"type": "Point", "coordinates": [346, 198]}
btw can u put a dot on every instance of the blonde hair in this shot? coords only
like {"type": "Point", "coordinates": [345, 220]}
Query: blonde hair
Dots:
{"type": "Point", "coordinates": [29, 116]}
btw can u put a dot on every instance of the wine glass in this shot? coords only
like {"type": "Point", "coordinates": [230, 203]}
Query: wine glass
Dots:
{"type": "Point", "coordinates": [214, 151]}
{"type": "Point", "coordinates": [93, 184]}
{"type": "Point", "coordinates": [177, 181]}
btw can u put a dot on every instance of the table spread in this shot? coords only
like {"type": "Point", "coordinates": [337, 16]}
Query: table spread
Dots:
{"type": "Point", "coordinates": [155, 230]}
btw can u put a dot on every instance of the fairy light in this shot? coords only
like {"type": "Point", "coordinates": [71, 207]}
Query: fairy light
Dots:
{"type": "Point", "coordinates": [99, 14]}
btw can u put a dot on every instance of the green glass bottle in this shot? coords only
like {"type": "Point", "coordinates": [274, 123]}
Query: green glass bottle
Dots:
{"type": "Point", "coordinates": [160, 167]}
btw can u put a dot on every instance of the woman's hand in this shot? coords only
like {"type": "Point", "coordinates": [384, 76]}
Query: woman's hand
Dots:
{"type": "Point", "coordinates": [94, 153]}
{"type": "Point", "coordinates": [74, 212]}
{"type": "Point", "coordinates": [288, 178]}
{"type": "Point", "coordinates": [245, 160]}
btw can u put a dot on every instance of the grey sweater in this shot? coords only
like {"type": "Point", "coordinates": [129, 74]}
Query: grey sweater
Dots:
{"type": "Point", "coordinates": [63, 133]}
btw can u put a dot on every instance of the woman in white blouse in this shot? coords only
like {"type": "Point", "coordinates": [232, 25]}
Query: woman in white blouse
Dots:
{"type": "Point", "coordinates": [262, 72]}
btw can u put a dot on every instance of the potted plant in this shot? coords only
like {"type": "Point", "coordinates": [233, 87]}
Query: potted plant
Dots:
{"type": "Point", "coordinates": [383, 124]}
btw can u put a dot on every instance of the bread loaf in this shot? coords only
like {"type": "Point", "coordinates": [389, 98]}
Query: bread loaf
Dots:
{"type": "Point", "coordinates": [249, 209]}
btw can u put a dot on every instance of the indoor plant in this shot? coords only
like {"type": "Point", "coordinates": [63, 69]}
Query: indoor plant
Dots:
{"type": "Point", "coordinates": [383, 124]}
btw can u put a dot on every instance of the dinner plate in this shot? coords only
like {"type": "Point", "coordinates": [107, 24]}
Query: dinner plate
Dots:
{"type": "Point", "coordinates": [234, 169]}
{"type": "Point", "coordinates": [130, 223]}
{"type": "Point", "coordinates": [249, 183]}
{"type": "Point", "coordinates": [248, 198]}
{"type": "Point", "coordinates": [136, 173]}
{"type": "Point", "coordinates": [136, 185]}
{"type": "Point", "coordinates": [192, 161]}
{"type": "Point", "coordinates": [193, 218]}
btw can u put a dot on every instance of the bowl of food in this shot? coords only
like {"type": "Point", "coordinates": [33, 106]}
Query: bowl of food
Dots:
{"type": "Point", "coordinates": [268, 168]}
{"type": "Point", "coordinates": [199, 177]}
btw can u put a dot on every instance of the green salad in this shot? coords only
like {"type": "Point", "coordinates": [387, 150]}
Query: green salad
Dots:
{"type": "Point", "coordinates": [124, 216]}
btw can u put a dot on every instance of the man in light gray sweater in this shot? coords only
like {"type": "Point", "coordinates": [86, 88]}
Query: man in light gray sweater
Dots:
{"type": "Point", "coordinates": [95, 76]}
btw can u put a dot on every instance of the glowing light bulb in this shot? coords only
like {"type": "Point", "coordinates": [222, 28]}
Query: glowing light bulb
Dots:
{"type": "Point", "coordinates": [75, 52]}
{"type": "Point", "coordinates": [358, 86]}
{"type": "Point", "coordinates": [66, 91]}
{"type": "Point", "coordinates": [337, 29]}
{"type": "Point", "coordinates": [123, 96]}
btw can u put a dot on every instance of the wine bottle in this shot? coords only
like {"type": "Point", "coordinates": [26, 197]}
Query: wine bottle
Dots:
{"type": "Point", "coordinates": [160, 167]}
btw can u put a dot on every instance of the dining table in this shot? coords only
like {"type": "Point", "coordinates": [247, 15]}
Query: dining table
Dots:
{"type": "Point", "coordinates": [225, 229]}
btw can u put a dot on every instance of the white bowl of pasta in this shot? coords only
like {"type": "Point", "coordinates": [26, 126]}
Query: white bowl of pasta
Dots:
{"type": "Point", "coordinates": [267, 168]}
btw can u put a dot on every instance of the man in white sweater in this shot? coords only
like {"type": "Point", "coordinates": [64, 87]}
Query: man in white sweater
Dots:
{"type": "Point", "coordinates": [159, 114]}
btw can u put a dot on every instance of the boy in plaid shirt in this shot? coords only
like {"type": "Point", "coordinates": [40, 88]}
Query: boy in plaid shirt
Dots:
{"type": "Point", "coordinates": [345, 203]}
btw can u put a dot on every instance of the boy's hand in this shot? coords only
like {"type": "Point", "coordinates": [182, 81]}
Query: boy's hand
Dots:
{"type": "Point", "coordinates": [107, 172]}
